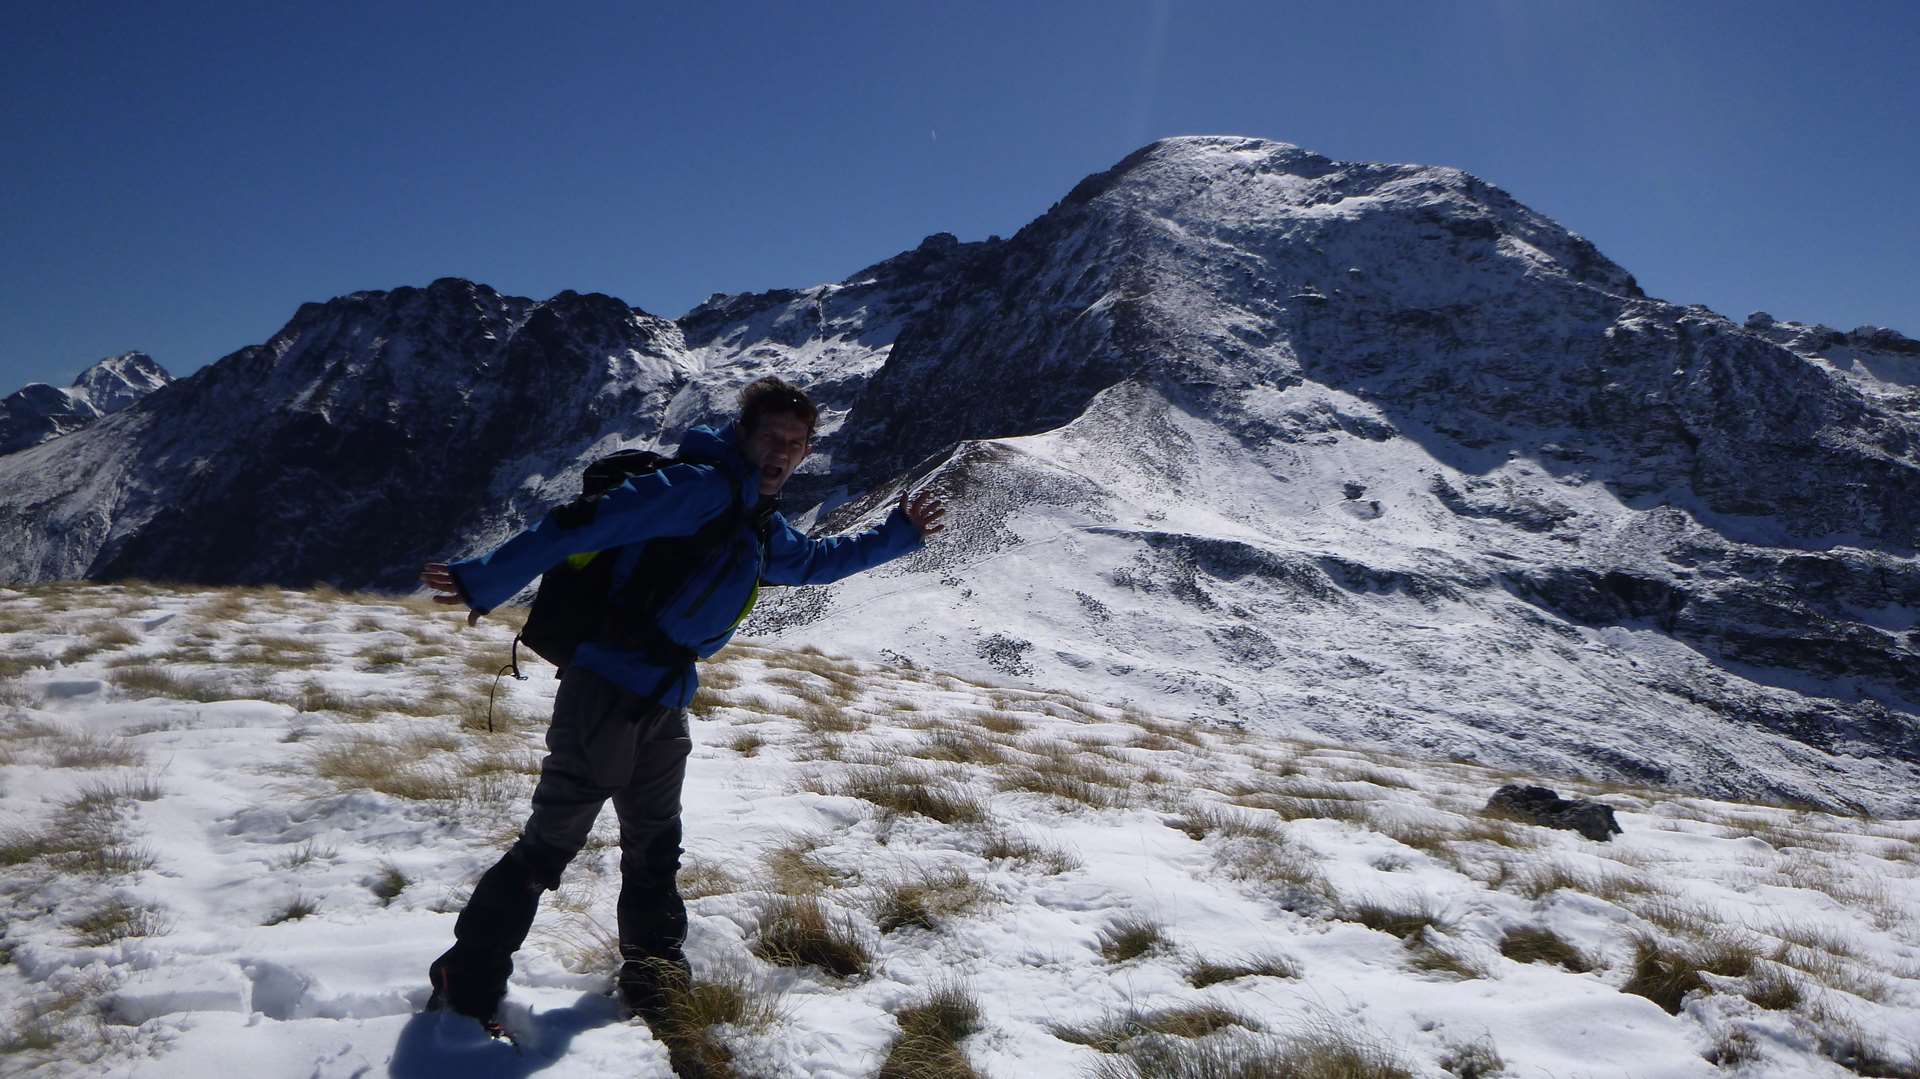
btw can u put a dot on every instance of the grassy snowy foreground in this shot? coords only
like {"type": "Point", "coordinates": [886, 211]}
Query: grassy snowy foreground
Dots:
{"type": "Point", "coordinates": [235, 825]}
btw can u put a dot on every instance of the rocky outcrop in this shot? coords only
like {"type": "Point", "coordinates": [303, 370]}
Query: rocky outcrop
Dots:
{"type": "Point", "coordinates": [1544, 807]}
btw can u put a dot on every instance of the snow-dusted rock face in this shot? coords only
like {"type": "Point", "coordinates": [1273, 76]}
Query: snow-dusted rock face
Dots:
{"type": "Point", "coordinates": [1233, 431]}
{"type": "Point", "coordinates": [39, 412]}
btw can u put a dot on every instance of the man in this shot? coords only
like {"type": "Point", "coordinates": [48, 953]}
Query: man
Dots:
{"type": "Point", "coordinates": [619, 726]}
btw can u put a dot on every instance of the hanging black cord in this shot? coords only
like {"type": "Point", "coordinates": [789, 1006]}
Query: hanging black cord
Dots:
{"type": "Point", "coordinates": [512, 667]}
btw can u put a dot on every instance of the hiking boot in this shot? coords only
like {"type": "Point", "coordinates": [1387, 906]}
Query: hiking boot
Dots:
{"type": "Point", "coordinates": [648, 986]}
{"type": "Point", "coordinates": [453, 994]}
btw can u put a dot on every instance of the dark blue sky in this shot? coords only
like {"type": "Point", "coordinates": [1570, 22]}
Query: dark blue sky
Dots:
{"type": "Point", "coordinates": [179, 179]}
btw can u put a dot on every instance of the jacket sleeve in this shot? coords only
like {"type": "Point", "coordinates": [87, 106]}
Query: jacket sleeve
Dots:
{"type": "Point", "coordinates": [794, 559]}
{"type": "Point", "coordinates": [674, 501]}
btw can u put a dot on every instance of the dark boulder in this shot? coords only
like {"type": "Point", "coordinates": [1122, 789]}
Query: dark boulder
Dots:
{"type": "Point", "coordinates": [1538, 805]}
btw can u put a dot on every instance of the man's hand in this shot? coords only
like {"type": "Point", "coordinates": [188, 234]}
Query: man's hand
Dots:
{"type": "Point", "coordinates": [436, 576]}
{"type": "Point", "coordinates": [925, 511]}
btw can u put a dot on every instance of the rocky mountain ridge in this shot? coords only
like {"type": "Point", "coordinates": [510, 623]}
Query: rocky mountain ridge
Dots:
{"type": "Point", "coordinates": [1233, 430]}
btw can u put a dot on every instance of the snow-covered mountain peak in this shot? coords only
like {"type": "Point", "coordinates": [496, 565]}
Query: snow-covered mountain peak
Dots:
{"type": "Point", "coordinates": [38, 412]}
{"type": "Point", "coordinates": [1212, 192]}
{"type": "Point", "coordinates": [118, 381]}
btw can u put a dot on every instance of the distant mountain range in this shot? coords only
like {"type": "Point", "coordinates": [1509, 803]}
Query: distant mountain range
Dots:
{"type": "Point", "coordinates": [1234, 431]}
{"type": "Point", "coordinates": [37, 412]}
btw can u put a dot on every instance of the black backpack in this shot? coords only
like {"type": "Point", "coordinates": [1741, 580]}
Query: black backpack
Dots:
{"type": "Point", "coordinates": [576, 601]}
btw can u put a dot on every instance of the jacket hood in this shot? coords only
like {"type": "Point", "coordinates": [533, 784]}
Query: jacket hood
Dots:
{"type": "Point", "coordinates": [721, 447]}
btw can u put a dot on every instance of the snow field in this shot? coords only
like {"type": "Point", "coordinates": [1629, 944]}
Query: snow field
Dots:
{"type": "Point", "coordinates": [235, 825]}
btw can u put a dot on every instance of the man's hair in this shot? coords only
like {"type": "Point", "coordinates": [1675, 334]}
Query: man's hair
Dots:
{"type": "Point", "coordinates": [770, 395]}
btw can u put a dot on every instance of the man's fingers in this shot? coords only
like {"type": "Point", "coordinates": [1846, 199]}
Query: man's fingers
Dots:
{"type": "Point", "coordinates": [447, 599]}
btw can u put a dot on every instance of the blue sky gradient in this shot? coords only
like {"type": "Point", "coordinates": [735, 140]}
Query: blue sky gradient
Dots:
{"type": "Point", "coordinates": [180, 177]}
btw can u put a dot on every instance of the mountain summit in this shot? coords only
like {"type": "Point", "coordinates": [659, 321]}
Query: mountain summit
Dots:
{"type": "Point", "coordinates": [1233, 431]}
{"type": "Point", "coordinates": [38, 412]}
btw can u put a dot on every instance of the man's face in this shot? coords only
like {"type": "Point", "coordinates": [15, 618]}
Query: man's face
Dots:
{"type": "Point", "coordinates": [775, 446]}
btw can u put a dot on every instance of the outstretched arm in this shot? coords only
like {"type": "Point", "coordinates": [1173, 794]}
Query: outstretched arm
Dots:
{"type": "Point", "coordinates": [794, 559]}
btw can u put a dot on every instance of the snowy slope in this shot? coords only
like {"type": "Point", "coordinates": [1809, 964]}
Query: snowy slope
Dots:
{"type": "Point", "coordinates": [181, 771]}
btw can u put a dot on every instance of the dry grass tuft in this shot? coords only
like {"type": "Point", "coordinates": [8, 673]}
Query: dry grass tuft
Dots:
{"type": "Point", "coordinates": [388, 883]}
{"type": "Point", "coordinates": [960, 747]}
{"type": "Point", "coordinates": [1675, 915]}
{"type": "Point", "coordinates": [904, 789]}
{"type": "Point", "coordinates": [1205, 972]}
{"type": "Point", "coordinates": [1291, 874]}
{"type": "Point", "coordinates": [828, 718]}
{"type": "Point", "coordinates": [1842, 1041]}
{"type": "Point", "coordinates": [931, 1030]}
{"type": "Point", "coordinates": [926, 899]}
{"type": "Point", "coordinates": [1129, 937]}
{"type": "Point", "coordinates": [156, 681]}
{"type": "Point", "coordinates": [391, 768]}
{"type": "Point", "coordinates": [1305, 802]}
{"type": "Point", "coordinates": [797, 931]}
{"type": "Point", "coordinates": [1773, 988]}
{"type": "Point", "coordinates": [1068, 772]}
{"type": "Point", "coordinates": [1202, 821]}
{"type": "Point", "coordinates": [1111, 1034]}
{"type": "Point", "coordinates": [1538, 944]}
{"type": "Point", "coordinates": [1834, 972]}
{"type": "Point", "coordinates": [1172, 732]}
{"type": "Point", "coordinates": [296, 908]}
{"type": "Point", "coordinates": [1473, 1060]}
{"type": "Point", "coordinates": [726, 998]}
{"type": "Point", "coordinates": [1665, 973]}
{"type": "Point", "coordinates": [793, 869]}
{"type": "Point", "coordinates": [76, 750]}
{"type": "Point", "coordinates": [1000, 722]}
{"type": "Point", "coordinates": [111, 794]}
{"type": "Point", "coordinates": [700, 878]}
{"type": "Point", "coordinates": [305, 853]}
{"type": "Point", "coordinates": [1612, 887]}
{"type": "Point", "coordinates": [91, 841]}
{"type": "Point", "coordinates": [1004, 845]}
{"type": "Point", "coordinates": [1429, 953]}
{"type": "Point", "coordinates": [1403, 919]}
{"type": "Point", "coordinates": [118, 919]}
{"type": "Point", "coordinates": [746, 743]}
{"type": "Point", "coordinates": [1327, 1051]}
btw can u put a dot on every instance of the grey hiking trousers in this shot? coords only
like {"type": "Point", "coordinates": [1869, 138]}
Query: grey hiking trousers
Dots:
{"type": "Point", "coordinates": [605, 743]}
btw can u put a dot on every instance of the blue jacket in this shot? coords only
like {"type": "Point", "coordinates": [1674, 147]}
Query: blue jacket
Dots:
{"type": "Point", "coordinates": [677, 500]}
